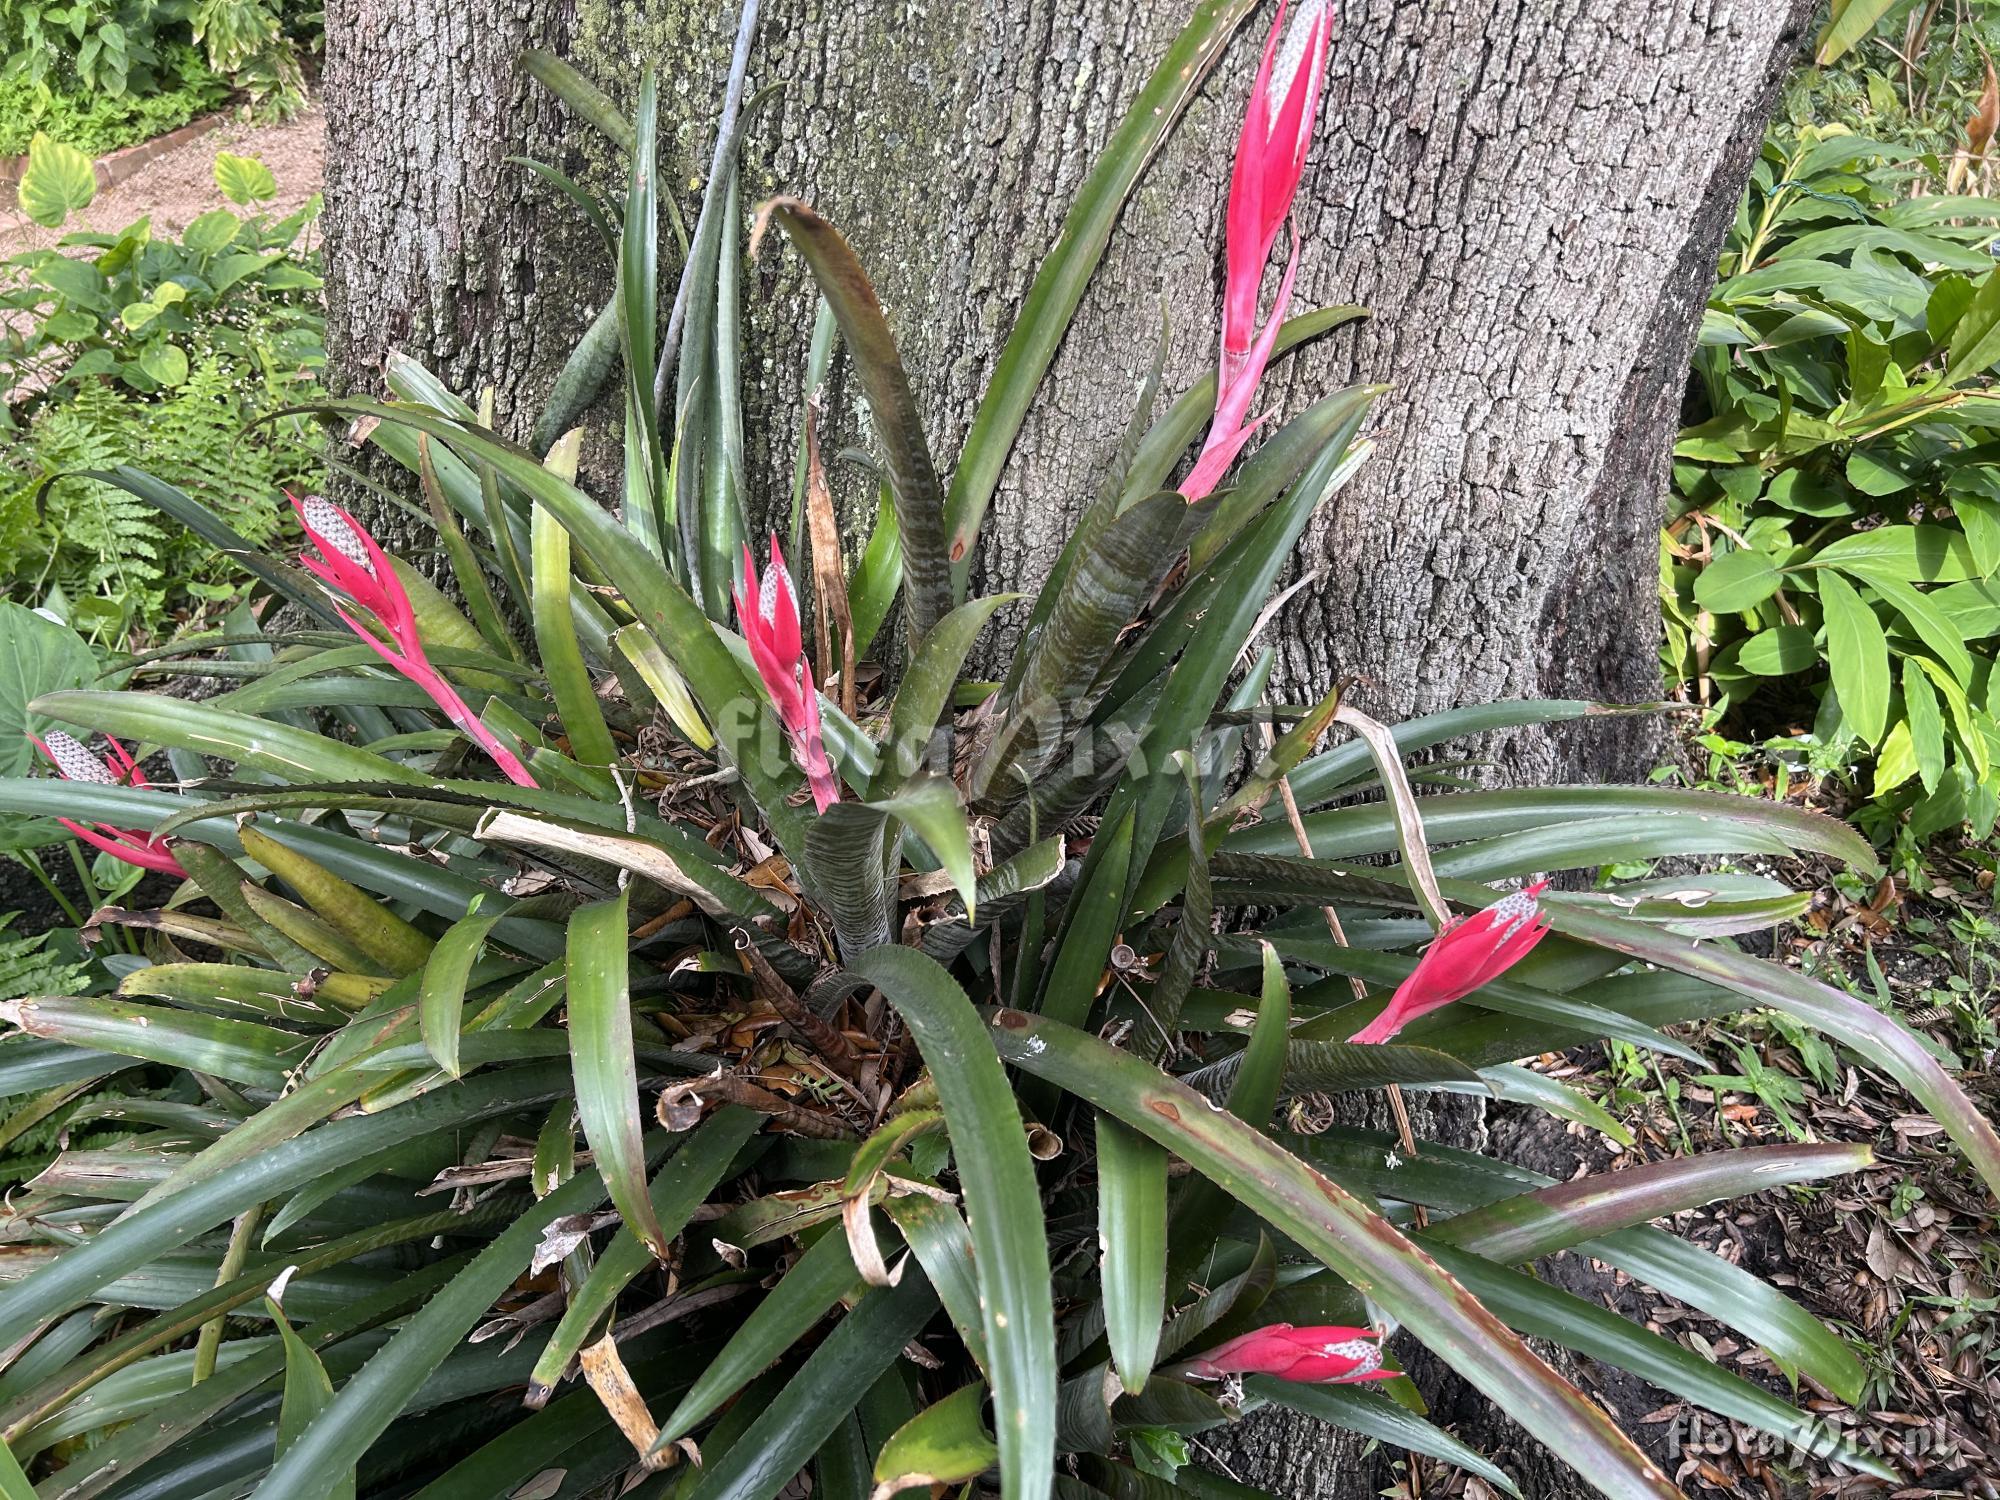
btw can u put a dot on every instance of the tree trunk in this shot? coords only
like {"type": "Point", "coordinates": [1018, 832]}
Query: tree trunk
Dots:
{"type": "Point", "coordinates": [1529, 196]}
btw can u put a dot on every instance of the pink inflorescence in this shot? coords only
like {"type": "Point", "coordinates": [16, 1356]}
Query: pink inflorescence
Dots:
{"type": "Point", "coordinates": [75, 762]}
{"type": "Point", "coordinates": [1270, 159]}
{"type": "Point", "coordinates": [1464, 956]}
{"type": "Point", "coordinates": [351, 564]}
{"type": "Point", "coordinates": [777, 647]}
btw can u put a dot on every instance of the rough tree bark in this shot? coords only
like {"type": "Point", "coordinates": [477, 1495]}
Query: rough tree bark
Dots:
{"type": "Point", "coordinates": [1529, 196]}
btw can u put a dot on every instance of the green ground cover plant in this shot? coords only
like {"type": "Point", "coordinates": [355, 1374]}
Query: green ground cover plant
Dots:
{"type": "Point", "coordinates": [141, 348]}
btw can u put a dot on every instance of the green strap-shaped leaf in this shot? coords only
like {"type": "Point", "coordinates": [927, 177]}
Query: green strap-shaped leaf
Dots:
{"type": "Point", "coordinates": [555, 635]}
{"type": "Point", "coordinates": [399, 946]}
{"type": "Point", "coordinates": [937, 1236]}
{"type": "Point", "coordinates": [637, 303]}
{"type": "Point", "coordinates": [308, 1392]}
{"type": "Point", "coordinates": [1375, 1416]}
{"type": "Point", "coordinates": [313, 1466]}
{"type": "Point", "coordinates": [441, 1000]}
{"type": "Point", "coordinates": [1059, 672]}
{"type": "Point", "coordinates": [925, 691]}
{"type": "Point", "coordinates": [1002, 1203]}
{"type": "Point", "coordinates": [165, 1223]}
{"type": "Point", "coordinates": [821, 1278]}
{"type": "Point", "coordinates": [260, 744]}
{"type": "Point", "coordinates": [1200, 1207]}
{"type": "Point", "coordinates": [1338, 1230]}
{"type": "Point", "coordinates": [1454, 1181]}
{"type": "Point", "coordinates": [1058, 287]}
{"type": "Point", "coordinates": [849, 857]}
{"type": "Point", "coordinates": [1542, 1311]}
{"type": "Point", "coordinates": [680, 1187]}
{"type": "Point", "coordinates": [1516, 1230]}
{"type": "Point", "coordinates": [1876, 1037]}
{"type": "Point", "coordinates": [241, 1051]}
{"type": "Point", "coordinates": [1132, 1244]}
{"type": "Point", "coordinates": [607, 1076]}
{"type": "Point", "coordinates": [789, 1429]}
{"type": "Point", "coordinates": [898, 427]}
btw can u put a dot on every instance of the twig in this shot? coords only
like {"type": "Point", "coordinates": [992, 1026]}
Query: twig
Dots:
{"type": "Point", "coordinates": [729, 1089]}
{"type": "Point", "coordinates": [826, 1039]}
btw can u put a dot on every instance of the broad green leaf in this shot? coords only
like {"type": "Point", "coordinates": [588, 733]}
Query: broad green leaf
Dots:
{"type": "Point", "coordinates": [607, 1077]}
{"type": "Point", "coordinates": [244, 179]}
{"type": "Point", "coordinates": [1002, 1203]}
{"type": "Point", "coordinates": [1934, 628]}
{"type": "Point", "coordinates": [37, 656]}
{"type": "Point", "coordinates": [1780, 651]}
{"type": "Point", "coordinates": [1975, 336]}
{"type": "Point", "coordinates": [1738, 580]}
{"type": "Point", "coordinates": [1858, 654]}
{"type": "Point", "coordinates": [59, 180]}
{"type": "Point", "coordinates": [945, 1443]}
{"type": "Point", "coordinates": [1345, 1236]}
{"type": "Point", "coordinates": [1132, 1246]}
{"type": "Point", "coordinates": [1925, 724]}
{"type": "Point", "coordinates": [898, 425]}
{"type": "Point", "coordinates": [1917, 554]}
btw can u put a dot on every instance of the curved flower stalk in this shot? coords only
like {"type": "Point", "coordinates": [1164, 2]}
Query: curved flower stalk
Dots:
{"type": "Point", "coordinates": [1270, 159]}
{"type": "Point", "coordinates": [74, 762]}
{"type": "Point", "coordinates": [351, 563]}
{"type": "Point", "coordinates": [777, 646]}
{"type": "Point", "coordinates": [1329, 1355]}
{"type": "Point", "coordinates": [1464, 956]}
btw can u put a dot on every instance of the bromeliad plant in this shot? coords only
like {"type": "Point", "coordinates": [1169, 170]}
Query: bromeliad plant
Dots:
{"type": "Point", "coordinates": [808, 1070]}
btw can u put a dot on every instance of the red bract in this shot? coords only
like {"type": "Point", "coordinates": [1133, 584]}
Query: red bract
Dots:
{"type": "Point", "coordinates": [1464, 956]}
{"type": "Point", "coordinates": [352, 564]}
{"type": "Point", "coordinates": [75, 763]}
{"type": "Point", "coordinates": [1270, 159]}
{"type": "Point", "coordinates": [1330, 1355]}
{"type": "Point", "coordinates": [777, 647]}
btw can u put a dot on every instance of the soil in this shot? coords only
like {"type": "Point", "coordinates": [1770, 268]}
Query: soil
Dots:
{"type": "Point", "coordinates": [177, 186]}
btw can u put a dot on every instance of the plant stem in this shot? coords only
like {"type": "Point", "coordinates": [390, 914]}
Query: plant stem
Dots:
{"type": "Point", "coordinates": [209, 1343]}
